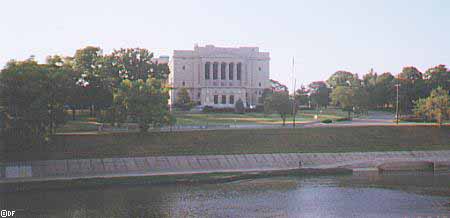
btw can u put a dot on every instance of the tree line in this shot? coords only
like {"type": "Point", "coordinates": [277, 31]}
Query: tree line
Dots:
{"type": "Point", "coordinates": [125, 85]}
{"type": "Point", "coordinates": [417, 94]}
{"type": "Point", "coordinates": [128, 85]}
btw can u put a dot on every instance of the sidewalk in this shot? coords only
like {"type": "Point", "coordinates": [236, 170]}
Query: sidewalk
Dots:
{"type": "Point", "coordinates": [175, 165]}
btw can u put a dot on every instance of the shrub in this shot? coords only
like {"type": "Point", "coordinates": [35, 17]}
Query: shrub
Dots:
{"type": "Point", "coordinates": [183, 100]}
{"type": "Point", "coordinates": [416, 119]}
{"type": "Point", "coordinates": [326, 121]}
{"type": "Point", "coordinates": [208, 109]}
{"type": "Point", "coordinates": [342, 119]}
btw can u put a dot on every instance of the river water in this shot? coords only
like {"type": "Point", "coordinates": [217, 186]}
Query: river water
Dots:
{"type": "Point", "coordinates": [367, 195]}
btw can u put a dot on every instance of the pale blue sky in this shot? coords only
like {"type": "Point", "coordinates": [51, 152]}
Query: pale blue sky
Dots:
{"type": "Point", "coordinates": [324, 36]}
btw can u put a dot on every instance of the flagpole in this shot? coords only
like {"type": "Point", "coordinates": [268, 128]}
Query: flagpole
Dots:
{"type": "Point", "coordinates": [293, 101]}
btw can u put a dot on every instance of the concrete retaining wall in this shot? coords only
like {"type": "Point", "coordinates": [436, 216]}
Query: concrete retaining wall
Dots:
{"type": "Point", "coordinates": [170, 165]}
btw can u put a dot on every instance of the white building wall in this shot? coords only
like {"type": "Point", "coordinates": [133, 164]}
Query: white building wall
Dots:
{"type": "Point", "coordinates": [188, 70]}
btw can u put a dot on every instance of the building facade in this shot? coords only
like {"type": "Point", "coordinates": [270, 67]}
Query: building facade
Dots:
{"type": "Point", "coordinates": [163, 59]}
{"type": "Point", "coordinates": [218, 77]}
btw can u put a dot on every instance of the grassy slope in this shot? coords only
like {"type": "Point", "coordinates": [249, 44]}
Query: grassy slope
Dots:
{"type": "Point", "coordinates": [237, 141]}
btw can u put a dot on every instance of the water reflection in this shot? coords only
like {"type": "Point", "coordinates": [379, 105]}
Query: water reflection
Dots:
{"type": "Point", "coordinates": [391, 195]}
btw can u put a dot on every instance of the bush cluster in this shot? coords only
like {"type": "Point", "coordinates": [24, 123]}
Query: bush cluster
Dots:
{"type": "Point", "coordinates": [342, 119]}
{"type": "Point", "coordinates": [326, 121]}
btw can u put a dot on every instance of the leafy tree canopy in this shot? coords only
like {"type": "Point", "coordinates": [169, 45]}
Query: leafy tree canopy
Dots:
{"type": "Point", "coordinates": [436, 106]}
{"type": "Point", "coordinates": [280, 103]}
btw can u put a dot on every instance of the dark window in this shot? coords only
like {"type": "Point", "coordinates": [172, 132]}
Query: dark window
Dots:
{"type": "Point", "coordinates": [259, 84]}
{"type": "Point", "coordinates": [223, 73]}
{"type": "Point", "coordinates": [230, 71]}
{"type": "Point", "coordinates": [216, 99]}
{"type": "Point", "coordinates": [207, 66]}
{"type": "Point", "coordinates": [184, 83]}
{"type": "Point", "coordinates": [238, 71]}
{"type": "Point", "coordinates": [184, 67]}
{"type": "Point", "coordinates": [259, 68]}
{"type": "Point", "coordinates": [198, 95]}
{"type": "Point", "coordinates": [224, 99]}
{"type": "Point", "coordinates": [215, 70]}
{"type": "Point", "coordinates": [231, 99]}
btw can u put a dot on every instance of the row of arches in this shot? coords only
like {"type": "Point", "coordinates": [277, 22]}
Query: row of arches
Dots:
{"type": "Point", "coordinates": [223, 71]}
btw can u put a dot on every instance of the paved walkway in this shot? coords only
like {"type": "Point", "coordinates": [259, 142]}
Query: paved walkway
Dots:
{"type": "Point", "coordinates": [171, 165]}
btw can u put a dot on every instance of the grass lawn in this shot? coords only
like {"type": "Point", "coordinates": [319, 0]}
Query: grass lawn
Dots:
{"type": "Point", "coordinates": [232, 118]}
{"type": "Point", "coordinates": [186, 118]}
{"type": "Point", "coordinates": [236, 141]}
{"type": "Point", "coordinates": [84, 123]}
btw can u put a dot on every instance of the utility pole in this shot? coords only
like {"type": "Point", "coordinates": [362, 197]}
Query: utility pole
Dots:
{"type": "Point", "coordinates": [293, 101]}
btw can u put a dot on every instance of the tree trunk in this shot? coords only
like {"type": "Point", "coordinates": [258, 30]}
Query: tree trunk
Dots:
{"type": "Point", "coordinates": [51, 119]}
{"type": "Point", "coordinates": [73, 113]}
{"type": "Point", "coordinates": [348, 114]}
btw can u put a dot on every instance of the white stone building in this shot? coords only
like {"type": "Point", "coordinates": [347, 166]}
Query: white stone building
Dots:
{"type": "Point", "coordinates": [218, 77]}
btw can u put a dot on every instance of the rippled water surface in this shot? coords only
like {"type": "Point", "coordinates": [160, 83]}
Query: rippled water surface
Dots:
{"type": "Point", "coordinates": [395, 195]}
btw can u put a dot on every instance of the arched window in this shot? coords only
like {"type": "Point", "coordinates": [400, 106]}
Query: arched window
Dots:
{"type": "Point", "coordinates": [230, 71]}
{"type": "Point", "coordinates": [238, 71]}
{"type": "Point", "coordinates": [215, 70]}
{"type": "Point", "coordinates": [223, 73]}
{"type": "Point", "coordinates": [207, 66]}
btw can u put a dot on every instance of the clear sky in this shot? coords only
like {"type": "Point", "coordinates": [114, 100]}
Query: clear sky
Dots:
{"type": "Point", "coordinates": [323, 36]}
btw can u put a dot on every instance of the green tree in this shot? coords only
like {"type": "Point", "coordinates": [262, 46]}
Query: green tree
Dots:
{"type": "Point", "coordinates": [436, 106]}
{"type": "Point", "coordinates": [319, 94]}
{"type": "Point", "coordinates": [384, 92]}
{"type": "Point", "coordinates": [146, 102]}
{"type": "Point", "coordinates": [123, 68]}
{"type": "Point", "coordinates": [380, 89]}
{"type": "Point", "coordinates": [280, 103]}
{"type": "Point", "coordinates": [342, 78]}
{"type": "Point", "coordinates": [89, 65]}
{"type": "Point", "coordinates": [73, 92]}
{"type": "Point", "coordinates": [183, 100]}
{"type": "Point", "coordinates": [370, 86]}
{"type": "Point", "coordinates": [412, 88]}
{"type": "Point", "coordinates": [34, 96]}
{"type": "Point", "coordinates": [239, 106]}
{"type": "Point", "coordinates": [344, 97]}
{"type": "Point", "coordinates": [265, 94]}
{"type": "Point", "coordinates": [135, 64]}
{"type": "Point", "coordinates": [302, 96]}
{"type": "Point", "coordinates": [438, 76]}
